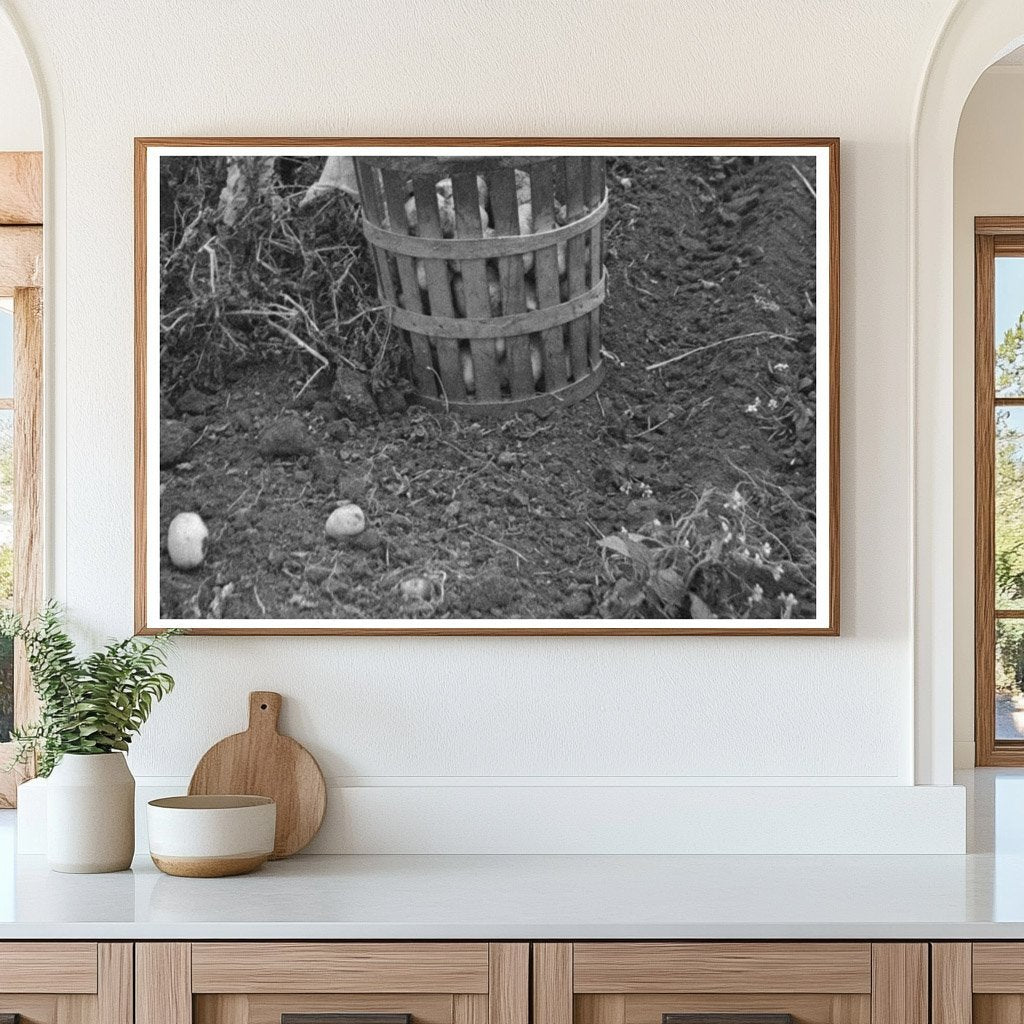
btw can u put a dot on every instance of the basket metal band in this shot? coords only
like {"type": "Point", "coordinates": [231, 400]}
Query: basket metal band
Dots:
{"type": "Point", "coordinates": [529, 322]}
{"type": "Point", "coordinates": [480, 248]}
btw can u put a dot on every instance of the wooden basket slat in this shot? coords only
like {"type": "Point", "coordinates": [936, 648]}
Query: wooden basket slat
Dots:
{"type": "Point", "coordinates": [505, 208]}
{"type": "Point", "coordinates": [598, 198]}
{"type": "Point", "coordinates": [545, 269]}
{"type": "Point", "coordinates": [466, 197]}
{"type": "Point", "coordinates": [373, 211]}
{"type": "Point", "coordinates": [577, 194]}
{"type": "Point", "coordinates": [439, 289]}
{"type": "Point", "coordinates": [372, 199]}
{"type": "Point", "coordinates": [394, 200]}
{"type": "Point", "coordinates": [562, 182]}
{"type": "Point", "coordinates": [370, 194]}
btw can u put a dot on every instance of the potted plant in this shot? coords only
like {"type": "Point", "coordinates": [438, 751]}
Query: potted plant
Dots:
{"type": "Point", "coordinates": [89, 710]}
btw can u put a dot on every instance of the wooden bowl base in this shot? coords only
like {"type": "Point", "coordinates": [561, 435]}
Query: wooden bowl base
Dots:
{"type": "Point", "coordinates": [209, 867]}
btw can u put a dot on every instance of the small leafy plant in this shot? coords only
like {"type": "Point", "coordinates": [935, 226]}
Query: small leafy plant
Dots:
{"type": "Point", "coordinates": [718, 560]}
{"type": "Point", "coordinates": [90, 705]}
{"type": "Point", "coordinates": [786, 413]}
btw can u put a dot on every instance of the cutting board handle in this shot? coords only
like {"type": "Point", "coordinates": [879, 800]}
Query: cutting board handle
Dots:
{"type": "Point", "coordinates": [264, 710]}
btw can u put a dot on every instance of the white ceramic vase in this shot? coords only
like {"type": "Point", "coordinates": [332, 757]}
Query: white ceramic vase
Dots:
{"type": "Point", "coordinates": [90, 814]}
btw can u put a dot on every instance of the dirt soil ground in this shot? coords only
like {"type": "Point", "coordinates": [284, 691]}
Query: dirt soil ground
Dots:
{"type": "Point", "coordinates": [502, 519]}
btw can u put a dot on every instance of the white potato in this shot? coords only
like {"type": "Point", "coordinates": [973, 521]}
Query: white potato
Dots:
{"type": "Point", "coordinates": [468, 376]}
{"type": "Point", "coordinates": [494, 289]}
{"type": "Point", "coordinates": [493, 292]}
{"type": "Point", "coordinates": [416, 589]}
{"type": "Point", "coordinates": [525, 218]}
{"type": "Point", "coordinates": [536, 360]}
{"type": "Point", "coordinates": [483, 190]}
{"type": "Point", "coordinates": [410, 215]}
{"type": "Point", "coordinates": [459, 295]}
{"type": "Point", "coordinates": [526, 228]}
{"type": "Point", "coordinates": [446, 206]}
{"type": "Point", "coordinates": [446, 212]}
{"type": "Point", "coordinates": [345, 521]}
{"type": "Point", "coordinates": [186, 540]}
{"type": "Point", "coordinates": [522, 187]}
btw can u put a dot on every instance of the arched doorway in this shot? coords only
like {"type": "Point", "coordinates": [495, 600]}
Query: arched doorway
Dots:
{"type": "Point", "coordinates": [976, 34]}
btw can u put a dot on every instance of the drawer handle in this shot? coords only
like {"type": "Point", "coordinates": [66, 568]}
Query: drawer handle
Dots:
{"type": "Point", "coordinates": [727, 1018]}
{"type": "Point", "coordinates": [339, 1018]}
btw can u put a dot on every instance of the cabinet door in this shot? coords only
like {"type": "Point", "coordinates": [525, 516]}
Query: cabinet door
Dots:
{"type": "Point", "coordinates": [332, 983]}
{"type": "Point", "coordinates": [65, 983]}
{"type": "Point", "coordinates": [981, 982]}
{"type": "Point", "coordinates": [730, 983]}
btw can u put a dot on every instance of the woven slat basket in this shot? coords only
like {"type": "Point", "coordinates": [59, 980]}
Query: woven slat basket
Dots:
{"type": "Point", "coordinates": [493, 271]}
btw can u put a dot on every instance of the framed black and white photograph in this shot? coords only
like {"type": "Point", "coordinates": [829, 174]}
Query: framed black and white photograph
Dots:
{"type": "Point", "coordinates": [487, 386]}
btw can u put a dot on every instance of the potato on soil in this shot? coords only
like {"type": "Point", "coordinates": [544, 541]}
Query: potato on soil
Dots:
{"type": "Point", "coordinates": [186, 540]}
{"type": "Point", "coordinates": [416, 589]}
{"type": "Point", "coordinates": [345, 521]}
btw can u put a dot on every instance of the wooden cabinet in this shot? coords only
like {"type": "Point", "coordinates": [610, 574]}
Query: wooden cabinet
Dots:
{"type": "Point", "coordinates": [66, 982]}
{"type": "Point", "coordinates": [978, 983]}
{"type": "Point", "coordinates": [311, 982]}
{"type": "Point", "coordinates": [750, 982]}
{"type": "Point", "coordinates": [494, 983]}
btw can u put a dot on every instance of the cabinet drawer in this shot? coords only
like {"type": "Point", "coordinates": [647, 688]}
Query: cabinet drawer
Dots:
{"type": "Point", "coordinates": [340, 967]}
{"type": "Point", "coordinates": [748, 982]}
{"type": "Point", "coordinates": [332, 983]}
{"type": "Point", "coordinates": [981, 982]}
{"type": "Point", "coordinates": [66, 982]}
{"type": "Point", "coordinates": [750, 967]}
{"type": "Point", "coordinates": [730, 983]}
{"type": "Point", "coordinates": [66, 967]}
{"type": "Point", "coordinates": [998, 967]}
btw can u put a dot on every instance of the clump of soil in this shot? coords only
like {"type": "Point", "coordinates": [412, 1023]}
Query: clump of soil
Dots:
{"type": "Point", "coordinates": [502, 519]}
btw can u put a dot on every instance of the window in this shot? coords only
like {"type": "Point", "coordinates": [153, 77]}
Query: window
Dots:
{"type": "Point", "coordinates": [21, 365]}
{"type": "Point", "coordinates": [999, 490]}
{"type": "Point", "coordinates": [6, 510]}
{"type": "Point", "coordinates": [20, 501]}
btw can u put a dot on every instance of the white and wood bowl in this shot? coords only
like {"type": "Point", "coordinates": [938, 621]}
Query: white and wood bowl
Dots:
{"type": "Point", "coordinates": [211, 836]}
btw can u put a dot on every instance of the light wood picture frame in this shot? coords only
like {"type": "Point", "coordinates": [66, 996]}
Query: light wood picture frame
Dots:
{"type": "Point", "coordinates": [500, 317]}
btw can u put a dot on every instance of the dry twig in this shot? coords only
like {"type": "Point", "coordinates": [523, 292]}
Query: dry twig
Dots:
{"type": "Point", "coordinates": [715, 344]}
{"type": "Point", "coordinates": [807, 184]}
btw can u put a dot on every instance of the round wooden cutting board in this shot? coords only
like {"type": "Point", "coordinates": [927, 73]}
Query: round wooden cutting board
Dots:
{"type": "Point", "coordinates": [262, 762]}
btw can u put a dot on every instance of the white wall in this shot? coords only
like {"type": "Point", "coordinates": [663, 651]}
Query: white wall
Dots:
{"type": "Point", "coordinates": [987, 181]}
{"type": "Point", "coordinates": [20, 124]}
{"type": "Point", "coordinates": [443, 713]}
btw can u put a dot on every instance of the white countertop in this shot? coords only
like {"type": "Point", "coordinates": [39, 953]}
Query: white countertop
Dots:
{"type": "Point", "coordinates": [977, 896]}
{"type": "Point", "coordinates": [496, 897]}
